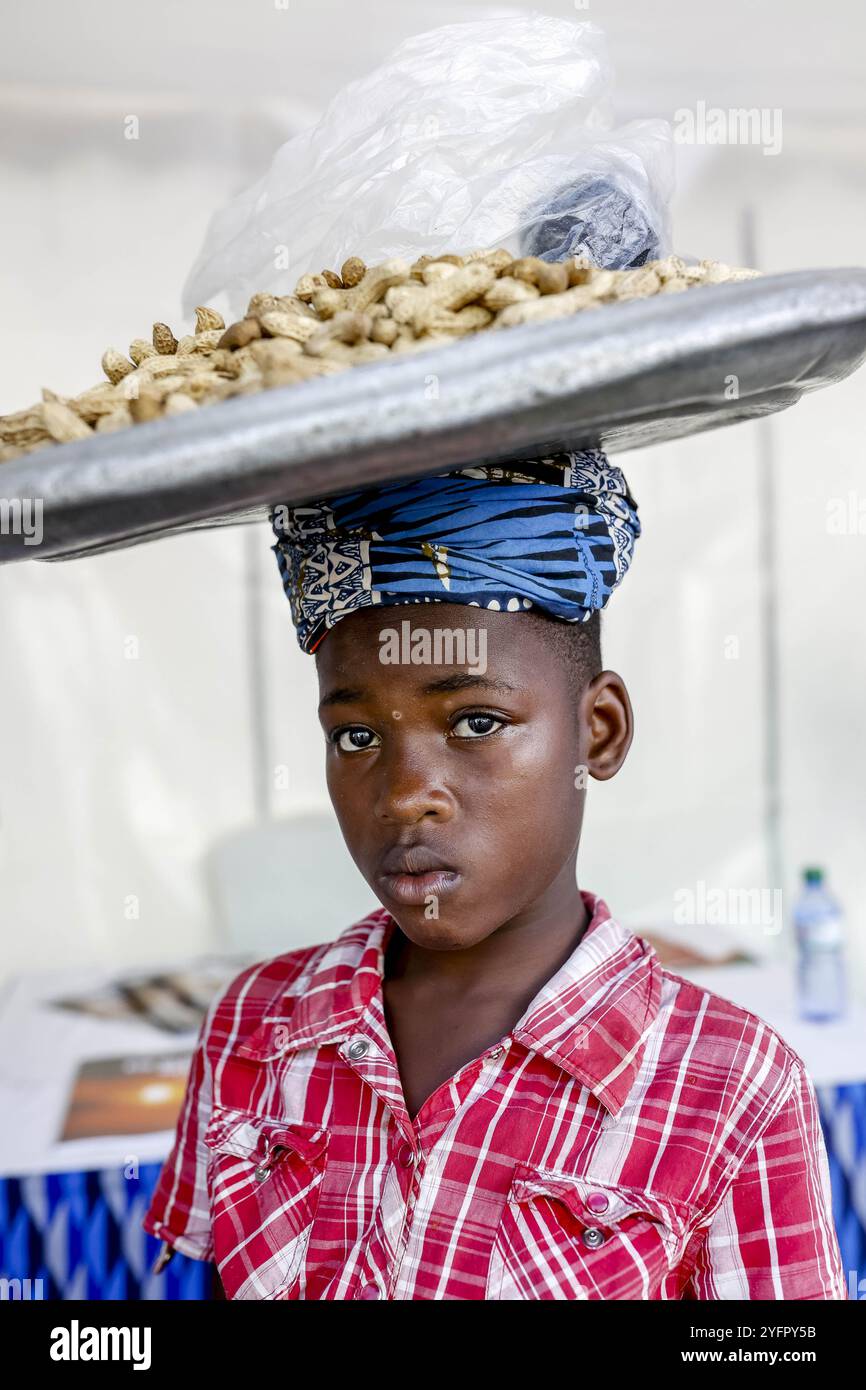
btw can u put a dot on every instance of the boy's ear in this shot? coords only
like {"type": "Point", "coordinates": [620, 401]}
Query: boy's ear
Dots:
{"type": "Point", "coordinates": [608, 723]}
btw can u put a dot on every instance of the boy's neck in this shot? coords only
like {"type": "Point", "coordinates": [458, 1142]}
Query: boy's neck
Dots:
{"type": "Point", "coordinates": [514, 961]}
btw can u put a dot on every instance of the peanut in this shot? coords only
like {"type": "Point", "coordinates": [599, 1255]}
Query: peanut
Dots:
{"type": "Point", "coordinates": [507, 290]}
{"type": "Point", "coordinates": [118, 419]}
{"type": "Point", "coordinates": [208, 339]}
{"type": "Point", "coordinates": [370, 288]}
{"type": "Point", "coordinates": [547, 277]}
{"type": "Point", "coordinates": [638, 283]}
{"type": "Point", "coordinates": [279, 323]}
{"type": "Point", "coordinates": [147, 405]}
{"type": "Point", "coordinates": [384, 330]}
{"type": "Point", "coordinates": [163, 338]}
{"type": "Point", "coordinates": [672, 267]}
{"type": "Point", "coordinates": [269, 353]}
{"type": "Point", "coordinates": [407, 341]}
{"type": "Point", "coordinates": [334, 322]}
{"type": "Point", "coordinates": [415, 305]}
{"type": "Point", "coordinates": [716, 272]}
{"type": "Point", "coordinates": [333, 350]}
{"type": "Point", "coordinates": [437, 270]}
{"type": "Point", "coordinates": [458, 321]}
{"type": "Point", "coordinates": [550, 306]}
{"type": "Point", "coordinates": [308, 284]}
{"type": "Point", "coordinates": [179, 403]}
{"type": "Point", "coordinates": [207, 319]}
{"type": "Point", "coordinates": [580, 269]}
{"type": "Point", "coordinates": [301, 369]}
{"type": "Point", "coordinates": [500, 261]}
{"type": "Point", "coordinates": [352, 272]}
{"type": "Point", "coordinates": [93, 404]}
{"type": "Point", "coordinates": [239, 334]}
{"type": "Point", "coordinates": [140, 348]}
{"type": "Point", "coordinates": [115, 365]}
{"type": "Point", "coordinates": [345, 327]}
{"type": "Point", "coordinates": [417, 268]}
{"type": "Point", "coordinates": [293, 305]}
{"type": "Point", "coordinates": [262, 304]}
{"type": "Point", "coordinates": [328, 302]}
{"type": "Point", "coordinates": [62, 423]}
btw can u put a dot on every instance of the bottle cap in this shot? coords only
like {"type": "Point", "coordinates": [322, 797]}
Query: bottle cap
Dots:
{"type": "Point", "coordinates": [813, 875]}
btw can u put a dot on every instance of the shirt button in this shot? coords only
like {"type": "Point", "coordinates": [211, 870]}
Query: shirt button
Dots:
{"type": "Point", "coordinates": [598, 1202]}
{"type": "Point", "coordinates": [369, 1291]}
{"type": "Point", "coordinates": [593, 1237]}
{"type": "Point", "coordinates": [406, 1156]}
{"type": "Point", "coordinates": [358, 1049]}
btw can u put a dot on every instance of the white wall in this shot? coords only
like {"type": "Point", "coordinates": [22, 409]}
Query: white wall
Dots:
{"type": "Point", "coordinates": [117, 775]}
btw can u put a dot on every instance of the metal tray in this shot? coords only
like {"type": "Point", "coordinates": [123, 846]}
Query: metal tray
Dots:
{"type": "Point", "coordinates": [622, 376]}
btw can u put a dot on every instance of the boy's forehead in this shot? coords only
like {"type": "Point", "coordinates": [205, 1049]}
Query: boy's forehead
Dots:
{"type": "Point", "coordinates": [426, 643]}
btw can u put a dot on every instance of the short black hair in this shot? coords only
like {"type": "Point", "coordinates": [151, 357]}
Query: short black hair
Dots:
{"type": "Point", "coordinates": [577, 644]}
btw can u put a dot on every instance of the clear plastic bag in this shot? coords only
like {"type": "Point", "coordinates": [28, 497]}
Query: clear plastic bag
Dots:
{"type": "Point", "coordinates": [496, 132]}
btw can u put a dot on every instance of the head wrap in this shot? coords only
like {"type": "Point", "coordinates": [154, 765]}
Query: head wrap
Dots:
{"type": "Point", "coordinates": [553, 533]}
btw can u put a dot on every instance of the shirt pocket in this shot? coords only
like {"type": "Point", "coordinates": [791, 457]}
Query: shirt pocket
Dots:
{"type": "Point", "coordinates": [264, 1179]}
{"type": "Point", "coordinates": [568, 1237]}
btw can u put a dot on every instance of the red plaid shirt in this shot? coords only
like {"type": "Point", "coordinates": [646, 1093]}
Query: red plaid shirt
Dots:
{"type": "Point", "coordinates": [633, 1136]}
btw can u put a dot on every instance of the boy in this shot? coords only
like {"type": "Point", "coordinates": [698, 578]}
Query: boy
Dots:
{"type": "Point", "coordinates": [488, 1089]}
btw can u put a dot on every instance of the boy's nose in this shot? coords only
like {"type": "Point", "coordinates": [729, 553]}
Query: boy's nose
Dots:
{"type": "Point", "coordinates": [409, 791]}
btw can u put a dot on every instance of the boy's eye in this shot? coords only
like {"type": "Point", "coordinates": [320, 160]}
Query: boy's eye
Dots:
{"type": "Point", "coordinates": [476, 725]}
{"type": "Point", "coordinates": [355, 739]}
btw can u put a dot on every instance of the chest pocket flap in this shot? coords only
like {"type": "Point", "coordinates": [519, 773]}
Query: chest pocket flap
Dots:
{"type": "Point", "coordinates": [567, 1236]}
{"type": "Point", "coordinates": [250, 1136]}
{"type": "Point", "coordinates": [264, 1182]}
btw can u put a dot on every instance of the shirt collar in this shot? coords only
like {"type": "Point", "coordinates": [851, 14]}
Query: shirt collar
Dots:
{"type": "Point", "coordinates": [591, 1017]}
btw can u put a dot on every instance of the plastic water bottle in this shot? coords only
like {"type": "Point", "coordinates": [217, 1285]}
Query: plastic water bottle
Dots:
{"type": "Point", "coordinates": [819, 927]}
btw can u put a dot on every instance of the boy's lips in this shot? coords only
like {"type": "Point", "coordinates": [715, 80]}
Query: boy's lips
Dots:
{"type": "Point", "coordinates": [412, 873]}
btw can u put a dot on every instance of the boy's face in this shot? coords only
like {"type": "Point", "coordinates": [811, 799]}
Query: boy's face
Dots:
{"type": "Point", "coordinates": [458, 781]}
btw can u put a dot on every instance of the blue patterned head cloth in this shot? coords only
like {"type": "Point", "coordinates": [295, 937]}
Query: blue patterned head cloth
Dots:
{"type": "Point", "coordinates": [553, 533]}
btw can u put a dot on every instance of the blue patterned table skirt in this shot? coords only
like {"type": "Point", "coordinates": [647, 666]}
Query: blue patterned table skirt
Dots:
{"type": "Point", "coordinates": [81, 1235]}
{"type": "Point", "coordinates": [843, 1120]}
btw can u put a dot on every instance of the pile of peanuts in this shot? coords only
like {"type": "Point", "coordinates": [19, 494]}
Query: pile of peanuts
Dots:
{"type": "Point", "coordinates": [335, 321]}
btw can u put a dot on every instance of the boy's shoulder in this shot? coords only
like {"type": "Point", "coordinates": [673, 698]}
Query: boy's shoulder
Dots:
{"type": "Point", "coordinates": [732, 1054]}
{"type": "Point", "coordinates": [276, 983]}
{"type": "Point", "coordinates": [695, 1036]}
{"type": "Point", "coordinates": [722, 1020]}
